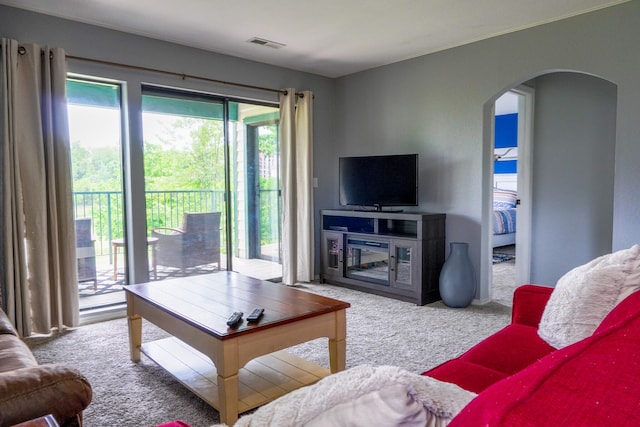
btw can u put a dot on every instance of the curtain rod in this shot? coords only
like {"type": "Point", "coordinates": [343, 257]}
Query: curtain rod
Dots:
{"type": "Point", "coordinates": [181, 75]}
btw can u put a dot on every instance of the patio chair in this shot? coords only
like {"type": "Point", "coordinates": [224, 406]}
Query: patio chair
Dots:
{"type": "Point", "coordinates": [196, 243]}
{"type": "Point", "coordinates": [85, 252]}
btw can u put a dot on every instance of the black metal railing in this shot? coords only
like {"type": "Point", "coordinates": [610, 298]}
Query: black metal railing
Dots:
{"type": "Point", "coordinates": [164, 208]}
{"type": "Point", "coordinates": [106, 210]}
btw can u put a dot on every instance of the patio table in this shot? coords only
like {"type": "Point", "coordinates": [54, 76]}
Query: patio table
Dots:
{"type": "Point", "coordinates": [119, 243]}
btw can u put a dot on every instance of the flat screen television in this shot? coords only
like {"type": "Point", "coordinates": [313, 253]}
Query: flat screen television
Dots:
{"type": "Point", "coordinates": [378, 181]}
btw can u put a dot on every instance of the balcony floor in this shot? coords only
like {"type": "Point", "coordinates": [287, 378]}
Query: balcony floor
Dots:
{"type": "Point", "coordinates": [109, 292]}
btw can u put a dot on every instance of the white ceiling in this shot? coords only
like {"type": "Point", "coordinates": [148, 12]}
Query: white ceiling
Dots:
{"type": "Point", "coordinates": [332, 38]}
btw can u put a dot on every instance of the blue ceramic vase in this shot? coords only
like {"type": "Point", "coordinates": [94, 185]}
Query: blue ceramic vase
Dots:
{"type": "Point", "coordinates": [457, 279]}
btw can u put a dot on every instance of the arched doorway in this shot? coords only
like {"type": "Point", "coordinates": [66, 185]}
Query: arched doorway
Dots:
{"type": "Point", "coordinates": [571, 161]}
{"type": "Point", "coordinates": [511, 167]}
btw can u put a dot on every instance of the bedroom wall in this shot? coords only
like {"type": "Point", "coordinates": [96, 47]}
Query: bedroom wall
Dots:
{"type": "Point", "coordinates": [505, 169]}
{"type": "Point", "coordinates": [573, 172]}
{"type": "Point", "coordinates": [439, 106]}
{"type": "Point", "coordinates": [506, 138]}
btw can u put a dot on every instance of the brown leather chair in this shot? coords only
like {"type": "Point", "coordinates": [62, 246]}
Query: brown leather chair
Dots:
{"type": "Point", "coordinates": [196, 243]}
{"type": "Point", "coordinates": [29, 391]}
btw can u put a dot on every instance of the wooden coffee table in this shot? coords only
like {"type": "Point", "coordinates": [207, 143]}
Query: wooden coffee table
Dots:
{"type": "Point", "coordinates": [235, 370]}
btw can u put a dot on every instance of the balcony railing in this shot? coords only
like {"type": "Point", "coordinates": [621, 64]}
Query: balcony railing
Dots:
{"type": "Point", "coordinates": [164, 209]}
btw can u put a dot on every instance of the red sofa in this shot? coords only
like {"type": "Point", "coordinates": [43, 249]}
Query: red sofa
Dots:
{"type": "Point", "coordinates": [522, 381]}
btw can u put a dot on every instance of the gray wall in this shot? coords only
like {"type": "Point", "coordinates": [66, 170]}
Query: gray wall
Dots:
{"type": "Point", "coordinates": [573, 169]}
{"type": "Point", "coordinates": [435, 105]}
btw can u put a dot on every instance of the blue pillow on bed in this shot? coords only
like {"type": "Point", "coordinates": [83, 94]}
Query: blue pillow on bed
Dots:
{"type": "Point", "coordinates": [504, 198]}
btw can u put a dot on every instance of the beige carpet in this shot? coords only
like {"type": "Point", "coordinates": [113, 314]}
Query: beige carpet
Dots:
{"type": "Point", "coordinates": [380, 331]}
{"type": "Point", "coordinates": [504, 279]}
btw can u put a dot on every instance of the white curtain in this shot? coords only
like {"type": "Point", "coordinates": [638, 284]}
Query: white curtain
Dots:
{"type": "Point", "coordinates": [39, 278]}
{"type": "Point", "coordinates": [296, 140]}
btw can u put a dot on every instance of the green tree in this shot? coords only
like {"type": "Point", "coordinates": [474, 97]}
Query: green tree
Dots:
{"type": "Point", "coordinates": [97, 169]}
{"type": "Point", "coordinates": [197, 163]}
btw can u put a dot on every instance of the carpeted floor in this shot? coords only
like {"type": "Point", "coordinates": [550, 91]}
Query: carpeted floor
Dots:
{"type": "Point", "coordinates": [380, 331]}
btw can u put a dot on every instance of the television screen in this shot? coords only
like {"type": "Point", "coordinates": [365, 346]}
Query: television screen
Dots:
{"type": "Point", "coordinates": [379, 180]}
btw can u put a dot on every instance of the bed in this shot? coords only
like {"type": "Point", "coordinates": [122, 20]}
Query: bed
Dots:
{"type": "Point", "coordinates": [504, 217]}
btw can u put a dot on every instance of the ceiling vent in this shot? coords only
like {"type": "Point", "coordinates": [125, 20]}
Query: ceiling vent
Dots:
{"type": "Point", "coordinates": [264, 42]}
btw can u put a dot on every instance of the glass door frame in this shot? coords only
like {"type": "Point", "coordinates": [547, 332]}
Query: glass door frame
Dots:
{"type": "Point", "coordinates": [231, 208]}
{"type": "Point", "coordinates": [255, 192]}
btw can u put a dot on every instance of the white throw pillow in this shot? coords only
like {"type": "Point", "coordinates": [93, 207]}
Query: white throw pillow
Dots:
{"type": "Point", "coordinates": [393, 405]}
{"type": "Point", "coordinates": [365, 396]}
{"type": "Point", "coordinates": [585, 295]}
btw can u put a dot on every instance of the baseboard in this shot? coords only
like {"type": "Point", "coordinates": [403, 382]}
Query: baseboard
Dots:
{"type": "Point", "coordinates": [481, 301]}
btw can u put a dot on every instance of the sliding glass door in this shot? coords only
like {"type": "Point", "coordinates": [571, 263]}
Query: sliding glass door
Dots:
{"type": "Point", "coordinates": [211, 189]}
{"type": "Point", "coordinates": [95, 128]}
{"type": "Point", "coordinates": [185, 182]}
{"type": "Point", "coordinates": [205, 184]}
{"type": "Point", "coordinates": [256, 156]}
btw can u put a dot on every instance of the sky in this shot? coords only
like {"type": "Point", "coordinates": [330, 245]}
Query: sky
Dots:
{"type": "Point", "coordinates": [100, 127]}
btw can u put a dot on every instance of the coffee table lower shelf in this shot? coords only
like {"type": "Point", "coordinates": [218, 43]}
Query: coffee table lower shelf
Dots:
{"type": "Point", "coordinates": [261, 380]}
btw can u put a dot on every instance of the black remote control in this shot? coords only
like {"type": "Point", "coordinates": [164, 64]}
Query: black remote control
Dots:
{"type": "Point", "coordinates": [234, 319]}
{"type": "Point", "coordinates": [255, 315]}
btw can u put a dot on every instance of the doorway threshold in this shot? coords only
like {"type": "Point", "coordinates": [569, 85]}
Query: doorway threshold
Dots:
{"type": "Point", "coordinates": [103, 313]}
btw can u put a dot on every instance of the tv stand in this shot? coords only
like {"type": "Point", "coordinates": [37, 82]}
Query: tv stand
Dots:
{"type": "Point", "coordinates": [398, 255]}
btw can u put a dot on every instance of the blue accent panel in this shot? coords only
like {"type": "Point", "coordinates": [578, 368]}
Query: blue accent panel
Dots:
{"type": "Point", "coordinates": [506, 166]}
{"type": "Point", "coordinates": [506, 130]}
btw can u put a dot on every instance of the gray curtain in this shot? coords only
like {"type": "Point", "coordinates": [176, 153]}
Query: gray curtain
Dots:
{"type": "Point", "coordinates": [39, 277]}
{"type": "Point", "coordinates": [296, 142]}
